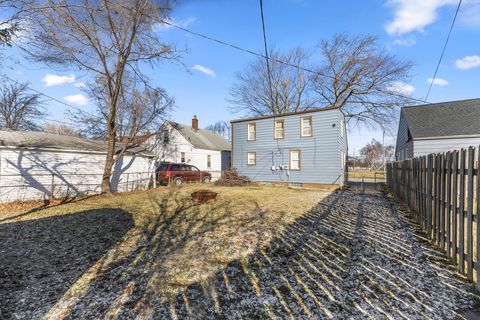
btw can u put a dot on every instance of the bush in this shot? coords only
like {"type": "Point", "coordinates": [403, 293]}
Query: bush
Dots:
{"type": "Point", "coordinates": [233, 179]}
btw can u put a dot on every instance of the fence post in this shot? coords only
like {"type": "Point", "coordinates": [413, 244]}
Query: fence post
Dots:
{"type": "Point", "coordinates": [461, 217]}
{"type": "Point", "coordinates": [52, 186]}
{"type": "Point", "coordinates": [478, 219]}
{"type": "Point", "coordinates": [471, 163]}
{"type": "Point", "coordinates": [454, 206]}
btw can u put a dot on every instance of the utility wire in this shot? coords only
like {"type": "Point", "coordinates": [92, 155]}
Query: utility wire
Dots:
{"type": "Point", "coordinates": [266, 57]}
{"type": "Point", "coordinates": [233, 46]}
{"type": "Point", "coordinates": [50, 97]}
{"type": "Point", "coordinates": [443, 50]}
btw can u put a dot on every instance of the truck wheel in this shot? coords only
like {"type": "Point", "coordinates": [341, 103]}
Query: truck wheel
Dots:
{"type": "Point", "coordinates": [206, 180]}
{"type": "Point", "coordinates": [177, 181]}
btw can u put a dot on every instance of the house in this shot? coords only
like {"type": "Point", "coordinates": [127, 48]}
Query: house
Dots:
{"type": "Point", "coordinates": [437, 127]}
{"type": "Point", "coordinates": [38, 165]}
{"type": "Point", "coordinates": [306, 148]}
{"type": "Point", "coordinates": [202, 148]}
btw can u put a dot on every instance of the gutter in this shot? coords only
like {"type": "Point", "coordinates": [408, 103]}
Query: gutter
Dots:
{"type": "Point", "coordinates": [447, 137]}
{"type": "Point", "coordinates": [69, 151]}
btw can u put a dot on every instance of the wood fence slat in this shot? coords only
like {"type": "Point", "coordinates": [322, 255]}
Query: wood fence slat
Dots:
{"type": "Point", "coordinates": [477, 225]}
{"type": "Point", "coordinates": [438, 197]}
{"type": "Point", "coordinates": [448, 205]}
{"type": "Point", "coordinates": [442, 197]}
{"type": "Point", "coordinates": [461, 215]}
{"type": "Point", "coordinates": [471, 163]}
{"type": "Point", "coordinates": [454, 206]}
{"type": "Point", "coordinates": [429, 195]}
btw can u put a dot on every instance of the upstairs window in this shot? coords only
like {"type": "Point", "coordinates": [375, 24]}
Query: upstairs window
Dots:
{"type": "Point", "coordinates": [252, 158]}
{"type": "Point", "coordinates": [279, 129]}
{"type": "Point", "coordinates": [182, 157]}
{"type": "Point", "coordinates": [166, 136]}
{"type": "Point", "coordinates": [295, 160]}
{"type": "Point", "coordinates": [252, 131]}
{"type": "Point", "coordinates": [306, 126]}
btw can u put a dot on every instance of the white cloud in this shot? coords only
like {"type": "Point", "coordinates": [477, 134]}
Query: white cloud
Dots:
{"type": "Point", "coordinates": [51, 80]}
{"type": "Point", "coordinates": [204, 70]}
{"type": "Point", "coordinates": [77, 99]}
{"type": "Point", "coordinates": [408, 42]}
{"type": "Point", "coordinates": [401, 88]}
{"type": "Point", "coordinates": [414, 15]}
{"type": "Point", "coordinates": [438, 82]}
{"type": "Point", "coordinates": [468, 62]}
{"type": "Point", "coordinates": [80, 85]}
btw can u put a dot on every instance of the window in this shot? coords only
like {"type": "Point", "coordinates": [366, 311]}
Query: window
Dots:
{"type": "Point", "coordinates": [193, 168]}
{"type": "Point", "coordinates": [343, 159]}
{"type": "Point", "coordinates": [279, 129]}
{"type": "Point", "coordinates": [342, 127]}
{"type": "Point", "coordinates": [295, 160]}
{"type": "Point", "coordinates": [306, 126]}
{"type": "Point", "coordinates": [176, 167]}
{"type": "Point", "coordinates": [186, 167]}
{"type": "Point", "coordinates": [163, 167]}
{"type": "Point", "coordinates": [252, 158]}
{"type": "Point", "coordinates": [209, 161]}
{"type": "Point", "coordinates": [182, 157]}
{"type": "Point", "coordinates": [166, 137]}
{"type": "Point", "coordinates": [252, 131]}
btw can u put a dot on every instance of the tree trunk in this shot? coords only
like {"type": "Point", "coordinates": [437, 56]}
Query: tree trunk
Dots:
{"type": "Point", "coordinates": [109, 161]}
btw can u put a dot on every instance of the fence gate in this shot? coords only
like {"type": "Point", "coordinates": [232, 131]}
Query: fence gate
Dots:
{"type": "Point", "coordinates": [443, 193]}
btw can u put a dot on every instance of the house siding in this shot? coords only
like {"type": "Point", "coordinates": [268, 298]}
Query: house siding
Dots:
{"type": "Point", "coordinates": [26, 174]}
{"type": "Point", "coordinates": [320, 153]}
{"type": "Point", "coordinates": [197, 157]}
{"type": "Point", "coordinates": [404, 148]}
{"type": "Point", "coordinates": [425, 147]}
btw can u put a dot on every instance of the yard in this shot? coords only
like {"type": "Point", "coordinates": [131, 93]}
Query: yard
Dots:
{"type": "Point", "coordinates": [258, 252]}
{"type": "Point", "coordinates": [158, 236]}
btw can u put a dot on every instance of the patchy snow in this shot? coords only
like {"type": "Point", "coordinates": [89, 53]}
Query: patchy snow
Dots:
{"type": "Point", "coordinates": [353, 255]}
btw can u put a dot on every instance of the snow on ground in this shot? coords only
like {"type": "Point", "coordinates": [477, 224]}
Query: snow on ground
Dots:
{"type": "Point", "coordinates": [353, 255]}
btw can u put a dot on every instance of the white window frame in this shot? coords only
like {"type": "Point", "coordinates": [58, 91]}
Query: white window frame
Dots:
{"type": "Point", "coordinates": [299, 152]}
{"type": "Point", "coordinates": [254, 158]}
{"type": "Point", "coordinates": [254, 126]}
{"type": "Point", "coordinates": [342, 127]}
{"type": "Point", "coordinates": [282, 121]}
{"type": "Point", "coordinates": [302, 122]}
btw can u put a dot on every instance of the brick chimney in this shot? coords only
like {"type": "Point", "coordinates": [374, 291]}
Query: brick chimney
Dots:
{"type": "Point", "coordinates": [194, 123]}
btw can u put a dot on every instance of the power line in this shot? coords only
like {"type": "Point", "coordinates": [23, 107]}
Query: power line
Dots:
{"type": "Point", "coordinates": [443, 50]}
{"type": "Point", "coordinates": [266, 56]}
{"type": "Point", "coordinates": [48, 96]}
{"type": "Point", "coordinates": [236, 47]}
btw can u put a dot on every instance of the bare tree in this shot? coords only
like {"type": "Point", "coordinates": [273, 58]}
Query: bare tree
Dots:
{"type": "Point", "coordinates": [373, 153]}
{"type": "Point", "coordinates": [19, 108]}
{"type": "Point", "coordinates": [222, 128]}
{"type": "Point", "coordinates": [9, 25]}
{"type": "Point", "coordinates": [362, 78]}
{"type": "Point", "coordinates": [140, 109]}
{"type": "Point", "coordinates": [105, 38]}
{"type": "Point", "coordinates": [61, 129]}
{"type": "Point", "coordinates": [290, 90]}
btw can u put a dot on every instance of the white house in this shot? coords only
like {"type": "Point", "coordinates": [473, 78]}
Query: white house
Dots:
{"type": "Point", "coordinates": [38, 165]}
{"type": "Point", "coordinates": [438, 127]}
{"type": "Point", "coordinates": [202, 148]}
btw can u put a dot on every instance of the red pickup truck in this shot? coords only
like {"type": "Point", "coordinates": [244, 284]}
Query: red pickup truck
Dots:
{"type": "Point", "coordinates": [178, 173]}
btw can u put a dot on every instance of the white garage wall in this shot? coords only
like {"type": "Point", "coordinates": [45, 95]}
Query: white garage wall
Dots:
{"type": "Point", "coordinates": [427, 146]}
{"type": "Point", "coordinates": [41, 174]}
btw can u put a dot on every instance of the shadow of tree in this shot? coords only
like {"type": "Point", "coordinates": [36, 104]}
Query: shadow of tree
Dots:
{"type": "Point", "coordinates": [350, 256]}
{"type": "Point", "coordinates": [41, 258]}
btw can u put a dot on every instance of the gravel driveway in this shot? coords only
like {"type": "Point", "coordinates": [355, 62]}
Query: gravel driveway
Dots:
{"type": "Point", "coordinates": [353, 255]}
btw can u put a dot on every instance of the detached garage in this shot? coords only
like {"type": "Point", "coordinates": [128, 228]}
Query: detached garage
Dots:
{"type": "Point", "coordinates": [38, 165]}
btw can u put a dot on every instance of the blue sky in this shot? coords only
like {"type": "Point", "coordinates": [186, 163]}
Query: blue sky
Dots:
{"type": "Point", "coordinates": [413, 30]}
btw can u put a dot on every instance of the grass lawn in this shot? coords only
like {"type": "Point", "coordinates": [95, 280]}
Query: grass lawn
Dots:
{"type": "Point", "coordinates": [173, 240]}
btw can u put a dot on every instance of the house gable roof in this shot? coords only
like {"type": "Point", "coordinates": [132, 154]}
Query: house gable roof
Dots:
{"type": "Point", "coordinates": [202, 138]}
{"type": "Point", "coordinates": [286, 114]}
{"type": "Point", "coordinates": [455, 118]}
{"type": "Point", "coordinates": [43, 140]}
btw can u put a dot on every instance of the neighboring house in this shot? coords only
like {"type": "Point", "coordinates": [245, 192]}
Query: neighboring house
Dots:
{"type": "Point", "coordinates": [38, 165]}
{"type": "Point", "coordinates": [438, 127]}
{"type": "Point", "coordinates": [201, 148]}
{"type": "Point", "coordinates": [305, 148]}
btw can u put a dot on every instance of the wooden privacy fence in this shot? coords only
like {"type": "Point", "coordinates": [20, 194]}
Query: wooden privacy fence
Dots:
{"type": "Point", "coordinates": [443, 193]}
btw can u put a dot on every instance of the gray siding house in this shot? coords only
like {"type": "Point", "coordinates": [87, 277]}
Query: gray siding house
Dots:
{"type": "Point", "coordinates": [437, 127]}
{"type": "Point", "coordinates": [307, 148]}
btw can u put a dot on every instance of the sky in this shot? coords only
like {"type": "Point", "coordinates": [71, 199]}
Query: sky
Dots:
{"type": "Point", "coordinates": [409, 29]}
